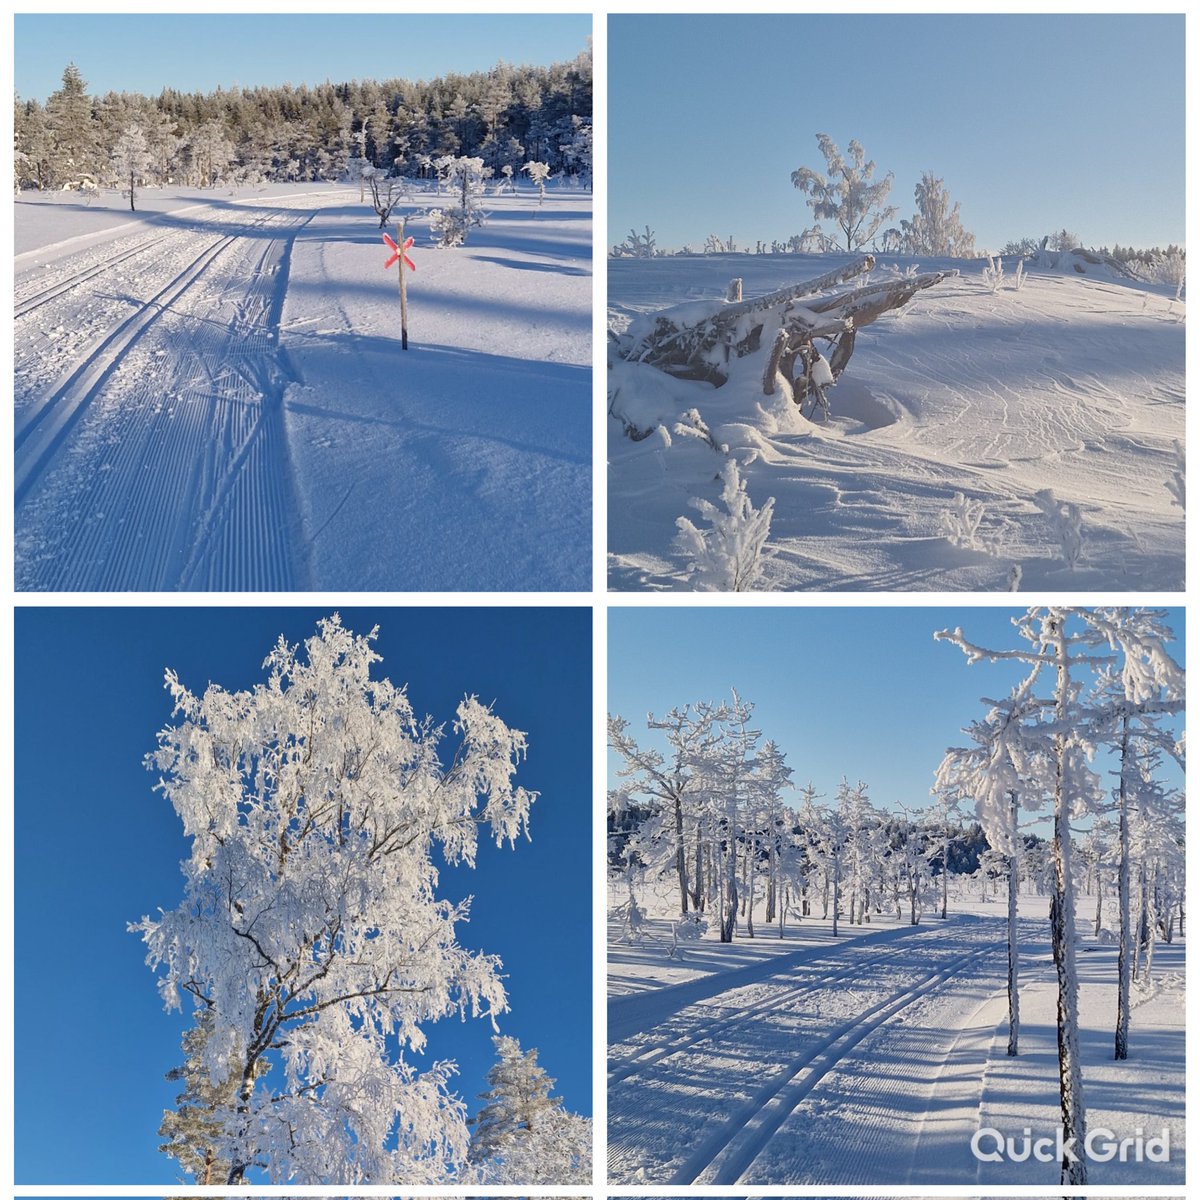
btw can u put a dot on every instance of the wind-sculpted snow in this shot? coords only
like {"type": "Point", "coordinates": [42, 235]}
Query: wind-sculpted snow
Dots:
{"type": "Point", "coordinates": [1072, 385]}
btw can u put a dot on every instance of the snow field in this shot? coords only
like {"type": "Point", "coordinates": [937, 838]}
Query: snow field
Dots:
{"type": "Point", "coordinates": [1071, 384]}
{"type": "Point", "coordinates": [873, 1059]}
{"type": "Point", "coordinates": [207, 397]}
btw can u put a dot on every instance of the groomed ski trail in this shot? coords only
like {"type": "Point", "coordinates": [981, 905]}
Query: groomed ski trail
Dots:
{"type": "Point", "coordinates": [704, 1103]}
{"type": "Point", "coordinates": [157, 461]}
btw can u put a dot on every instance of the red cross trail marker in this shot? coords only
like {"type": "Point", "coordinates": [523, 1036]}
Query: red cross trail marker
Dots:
{"type": "Point", "coordinates": [399, 248]}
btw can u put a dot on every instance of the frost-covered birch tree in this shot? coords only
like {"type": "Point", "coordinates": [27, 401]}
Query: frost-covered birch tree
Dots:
{"type": "Point", "coordinates": [1069, 645]}
{"type": "Point", "coordinates": [311, 936]}
{"type": "Point", "coordinates": [848, 193]}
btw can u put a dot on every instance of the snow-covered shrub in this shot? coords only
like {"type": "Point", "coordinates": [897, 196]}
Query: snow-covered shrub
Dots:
{"type": "Point", "coordinates": [451, 224]}
{"type": "Point", "coordinates": [993, 273]}
{"type": "Point", "coordinates": [1014, 577]}
{"type": "Point", "coordinates": [1177, 483]}
{"type": "Point", "coordinates": [728, 556]}
{"type": "Point", "coordinates": [636, 245]}
{"type": "Point", "coordinates": [1019, 275]}
{"type": "Point", "coordinates": [1066, 522]}
{"type": "Point", "coordinates": [691, 424]}
{"type": "Point", "coordinates": [961, 522]}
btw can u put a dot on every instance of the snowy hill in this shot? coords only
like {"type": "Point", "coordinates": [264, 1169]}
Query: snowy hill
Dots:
{"type": "Point", "coordinates": [1072, 385]}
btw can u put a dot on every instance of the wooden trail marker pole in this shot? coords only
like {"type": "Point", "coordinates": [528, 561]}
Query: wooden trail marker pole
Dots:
{"type": "Point", "coordinates": [399, 255]}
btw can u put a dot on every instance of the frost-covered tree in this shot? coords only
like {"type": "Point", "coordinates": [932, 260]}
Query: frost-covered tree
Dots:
{"type": "Point", "coordinates": [1003, 771]}
{"type": "Point", "coordinates": [848, 193]}
{"type": "Point", "coordinates": [538, 173]}
{"type": "Point", "coordinates": [517, 1098]}
{"type": "Point", "coordinates": [1067, 645]}
{"type": "Point", "coordinates": [73, 129]}
{"type": "Point", "coordinates": [935, 228]}
{"type": "Point", "coordinates": [452, 223]}
{"type": "Point", "coordinates": [311, 929]}
{"type": "Point", "coordinates": [131, 160]}
{"type": "Point", "coordinates": [671, 783]}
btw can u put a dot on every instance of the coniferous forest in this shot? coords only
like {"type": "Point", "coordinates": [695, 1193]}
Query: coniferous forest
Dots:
{"type": "Point", "coordinates": [507, 116]}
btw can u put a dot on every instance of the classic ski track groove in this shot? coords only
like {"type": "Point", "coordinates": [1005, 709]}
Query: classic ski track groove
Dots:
{"type": "Point", "coordinates": [733, 1150]}
{"type": "Point", "coordinates": [37, 299]}
{"type": "Point", "coordinates": [639, 1061]}
{"type": "Point", "coordinates": [733, 1147]}
{"type": "Point", "coordinates": [208, 471]}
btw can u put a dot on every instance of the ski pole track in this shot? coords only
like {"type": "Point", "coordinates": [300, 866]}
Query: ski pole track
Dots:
{"type": "Point", "coordinates": [194, 463]}
{"type": "Point", "coordinates": [724, 1024]}
{"type": "Point", "coordinates": [724, 1155]}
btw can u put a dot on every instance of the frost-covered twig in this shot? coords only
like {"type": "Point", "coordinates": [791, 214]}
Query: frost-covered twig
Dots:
{"type": "Point", "coordinates": [692, 424]}
{"type": "Point", "coordinates": [961, 523]}
{"type": "Point", "coordinates": [1066, 521]}
{"type": "Point", "coordinates": [993, 273]}
{"type": "Point", "coordinates": [728, 557]}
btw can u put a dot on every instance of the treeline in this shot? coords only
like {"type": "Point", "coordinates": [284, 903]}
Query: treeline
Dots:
{"type": "Point", "coordinates": [507, 116]}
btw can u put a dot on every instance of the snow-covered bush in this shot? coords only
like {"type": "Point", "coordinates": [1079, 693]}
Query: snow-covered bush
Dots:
{"type": "Point", "coordinates": [728, 556]}
{"type": "Point", "coordinates": [692, 424]}
{"type": "Point", "coordinates": [1066, 522]}
{"type": "Point", "coordinates": [451, 224]}
{"type": "Point", "coordinates": [935, 228]}
{"type": "Point", "coordinates": [1019, 275]}
{"type": "Point", "coordinates": [961, 522]}
{"type": "Point", "coordinates": [1171, 268]}
{"type": "Point", "coordinates": [993, 273]}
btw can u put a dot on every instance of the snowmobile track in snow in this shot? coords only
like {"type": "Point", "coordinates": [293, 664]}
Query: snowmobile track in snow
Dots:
{"type": "Point", "coordinates": [188, 445]}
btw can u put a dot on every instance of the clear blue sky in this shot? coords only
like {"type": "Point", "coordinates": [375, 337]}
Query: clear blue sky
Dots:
{"type": "Point", "coordinates": [146, 52]}
{"type": "Point", "coordinates": [1034, 122]}
{"type": "Point", "coordinates": [95, 848]}
{"type": "Point", "coordinates": [861, 692]}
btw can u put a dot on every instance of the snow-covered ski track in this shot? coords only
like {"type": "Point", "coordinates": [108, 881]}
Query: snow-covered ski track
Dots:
{"type": "Point", "coordinates": [701, 1097]}
{"type": "Point", "coordinates": [156, 460]}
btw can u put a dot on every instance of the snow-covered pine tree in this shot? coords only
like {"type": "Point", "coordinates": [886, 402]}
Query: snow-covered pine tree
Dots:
{"type": "Point", "coordinates": [522, 1135]}
{"type": "Point", "coordinates": [311, 929]}
{"type": "Point", "coordinates": [72, 130]}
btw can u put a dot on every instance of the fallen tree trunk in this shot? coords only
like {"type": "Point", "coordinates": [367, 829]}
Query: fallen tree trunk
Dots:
{"type": "Point", "coordinates": [697, 340]}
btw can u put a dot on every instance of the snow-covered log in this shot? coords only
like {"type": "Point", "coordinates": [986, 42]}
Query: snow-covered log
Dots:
{"type": "Point", "coordinates": [697, 340]}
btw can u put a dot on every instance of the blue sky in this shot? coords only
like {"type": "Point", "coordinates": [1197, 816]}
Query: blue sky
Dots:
{"type": "Point", "coordinates": [1034, 122]}
{"type": "Point", "coordinates": [96, 848]}
{"type": "Point", "coordinates": [146, 52]}
{"type": "Point", "coordinates": [861, 692]}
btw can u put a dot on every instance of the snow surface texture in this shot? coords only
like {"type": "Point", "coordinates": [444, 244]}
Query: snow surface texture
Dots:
{"type": "Point", "coordinates": [1073, 385]}
{"type": "Point", "coordinates": [210, 395]}
{"type": "Point", "coordinates": [871, 1060]}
